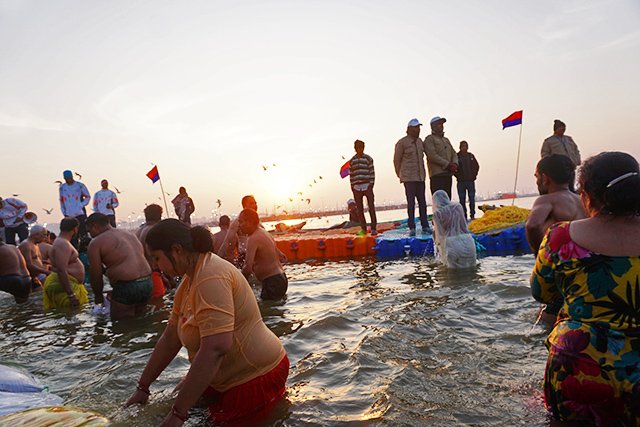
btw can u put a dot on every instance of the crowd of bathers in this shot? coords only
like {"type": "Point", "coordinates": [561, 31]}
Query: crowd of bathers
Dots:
{"type": "Point", "coordinates": [584, 229]}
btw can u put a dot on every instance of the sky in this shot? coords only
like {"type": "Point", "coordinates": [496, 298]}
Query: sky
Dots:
{"type": "Point", "coordinates": [212, 91]}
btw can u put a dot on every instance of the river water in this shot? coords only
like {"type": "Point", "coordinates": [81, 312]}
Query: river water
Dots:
{"type": "Point", "coordinates": [394, 343]}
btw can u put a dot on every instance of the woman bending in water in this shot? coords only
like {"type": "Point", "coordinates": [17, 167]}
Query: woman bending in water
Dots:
{"type": "Point", "coordinates": [593, 264]}
{"type": "Point", "coordinates": [238, 366]}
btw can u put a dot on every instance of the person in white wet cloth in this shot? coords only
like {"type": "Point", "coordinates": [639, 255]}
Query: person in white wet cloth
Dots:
{"type": "Point", "coordinates": [454, 245]}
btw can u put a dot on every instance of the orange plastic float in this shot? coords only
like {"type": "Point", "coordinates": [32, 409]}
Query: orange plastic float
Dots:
{"type": "Point", "coordinates": [307, 246]}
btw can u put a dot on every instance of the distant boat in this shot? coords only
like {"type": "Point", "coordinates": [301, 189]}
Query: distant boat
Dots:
{"type": "Point", "coordinates": [501, 196]}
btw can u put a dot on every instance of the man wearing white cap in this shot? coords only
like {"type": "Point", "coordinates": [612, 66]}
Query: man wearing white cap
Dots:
{"type": "Point", "coordinates": [105, 202]}
{"type": "Point", "coordinates": [408, 160]}
{"type": "Point", "coordinates": [12, 213]}
{"type": "Point", "coordinates": [442, 159]}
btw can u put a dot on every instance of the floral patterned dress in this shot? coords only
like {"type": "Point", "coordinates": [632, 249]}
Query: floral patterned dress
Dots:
{"type": "Point", "coordinates": [593, 369]}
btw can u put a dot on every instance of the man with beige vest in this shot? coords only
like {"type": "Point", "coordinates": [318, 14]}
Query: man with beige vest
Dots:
{"type": "Point", "coordinates": [408, 161]}
{"type": "Point", "coordinates": [442, 159]}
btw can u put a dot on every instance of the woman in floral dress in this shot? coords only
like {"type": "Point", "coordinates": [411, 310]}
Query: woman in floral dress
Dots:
{"type": "Point", "coordinates": [593, 369]}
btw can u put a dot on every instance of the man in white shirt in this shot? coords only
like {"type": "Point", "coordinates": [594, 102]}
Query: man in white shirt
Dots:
{"type": "Point", "coordinates": [105, 202]}
{"type": "Point", "coordinates": [12, 212]}
{"type": "Point", "coordinates": [74, 197]}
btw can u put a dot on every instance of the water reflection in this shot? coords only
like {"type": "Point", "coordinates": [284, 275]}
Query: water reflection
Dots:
{"type": "Point", "coordinates": [404, 342]}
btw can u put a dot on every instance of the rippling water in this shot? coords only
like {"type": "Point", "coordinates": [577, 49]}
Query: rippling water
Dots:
{"type": "Point", "coordinates": [396, 343]}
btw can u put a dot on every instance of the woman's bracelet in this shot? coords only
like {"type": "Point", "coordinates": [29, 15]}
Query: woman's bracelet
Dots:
{"type": "Point", "coordinates": [178, 415]}
{"type": "Point", "coordinates": [143, 388]}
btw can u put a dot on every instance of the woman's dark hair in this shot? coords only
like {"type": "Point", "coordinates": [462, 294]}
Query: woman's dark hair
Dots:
{"type": "Point", "coordinates": [602, 178]}
{"type": "Point", "coordinates": [169, 232]}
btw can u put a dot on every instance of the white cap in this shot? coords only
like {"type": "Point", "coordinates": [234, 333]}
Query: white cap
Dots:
{"type": "Point", "coordinates": [414, 122]}
{"type": "Point", "coordinates": [437, 119]}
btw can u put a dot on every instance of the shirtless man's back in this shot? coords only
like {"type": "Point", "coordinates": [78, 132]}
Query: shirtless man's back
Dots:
{"type": "Point", "coordinates": [554, 174]}
{"type": "Point", "coordinates": [263, 257]}
{"type": "Point", "coordinates": [127, 268]}
{"type": "Point", "coordinates": [123, 255]}
{"type": "Point", "coordinates": [14, 276]}
{"type": "Point", "coordinates": [556, 202]}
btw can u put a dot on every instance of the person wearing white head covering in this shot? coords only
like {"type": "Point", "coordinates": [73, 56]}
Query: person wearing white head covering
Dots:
{"type": "Point", "coordinates": [454, 245]}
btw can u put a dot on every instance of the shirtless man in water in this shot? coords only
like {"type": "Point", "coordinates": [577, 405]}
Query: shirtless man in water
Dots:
{"type": "Point", "coordinates": [128, 271]}
{"type": "Point", "coordinates": [14, 276]}
{"type": "Point", "coordinates": [556, 202]}
{"type": "Point", "coordinates": [64, 288]}
{"type": "Point", "coordinates": [31, 252]}
{"type": "Point", "coordinates": [263, 257]}
{"type": "Point", "coordinates": [554, 176]}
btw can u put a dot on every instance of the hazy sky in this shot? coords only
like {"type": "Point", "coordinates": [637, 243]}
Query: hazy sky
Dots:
{"type": "Point", "coordinates": [210, 91]}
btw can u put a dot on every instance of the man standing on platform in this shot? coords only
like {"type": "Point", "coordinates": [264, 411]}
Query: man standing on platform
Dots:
{"type": "Point", "coordinates": [12, 212]}
{"type": "Point", "coordinates": [442, 159]}
{"type": "Point", "coordinates": [466, 174]}
{"type": "Point", "coordinates": [562, 144]}
{"type": "Point", "coordinates": [74, 197]}
{"type": "Point", "coordinates": [105, 202]}
{"type": "Point", "coordinates": [408, 160]}
{"type": "Point", "coordinates": [362, 176]}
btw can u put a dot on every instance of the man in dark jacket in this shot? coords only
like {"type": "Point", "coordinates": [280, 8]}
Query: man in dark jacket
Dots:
{"type": "Point", "coordinates": [466, 174]}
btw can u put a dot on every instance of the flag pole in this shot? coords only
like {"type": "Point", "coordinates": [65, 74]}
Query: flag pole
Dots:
{"type": "Point", "coordinates": [515, 184]}
{"type": "Point", "coordinates": [163, 195]}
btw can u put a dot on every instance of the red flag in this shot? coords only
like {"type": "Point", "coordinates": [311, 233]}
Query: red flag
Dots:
{"type": "Point", "coordinates": [344, 170]}
{"type": "Point", "coordinates": [513, 120]}
{"type": "Point", "coordinates": [153, 174]}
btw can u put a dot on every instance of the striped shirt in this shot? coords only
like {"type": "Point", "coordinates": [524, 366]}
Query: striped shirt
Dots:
{"type": "Point", "coordinates": [361, 170]}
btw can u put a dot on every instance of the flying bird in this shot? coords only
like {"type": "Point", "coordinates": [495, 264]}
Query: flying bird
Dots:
{"type": "Point", "coordinates": [48, 211]}
{"type": "Point", "coordinates": [310, 185]}
{"type": "Point", "coordinates": [78, 175]}
{"type": "Point", "coordinates": [168, 194]}
{"type": "Point", "coordinates": [15, 195]}
{"type": "Point", "coordinates": [264, 167]}
{"type": "Point", "coordinates": [320, 177]}
{"type": "Point", "coordinates": [300, 193]}
{"type": "Point", "coordinates": [219, 202]}
{"type": "Point", "coordinates": [343, 158]}
{"type": "Point", "coordinates": [285, 212]}
{"type": "Point", "coordinates": [116, 188]}
{"type": "Point", "coordinates": [274, 164]}
{"type": "Point", "coordinates": [291, 199]}
{"type": "Point", "coordinates": [58, 182]}
{"type": "Point", "coordinates": [278, 207]}
{"type": "Point", "coordinates": [315, 182]}
{"type": "Point", "coordinates": [308, 201]}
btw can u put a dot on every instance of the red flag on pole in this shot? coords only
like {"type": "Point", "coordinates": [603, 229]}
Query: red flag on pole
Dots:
{"type": "Point", "coordinates": [153, 174]}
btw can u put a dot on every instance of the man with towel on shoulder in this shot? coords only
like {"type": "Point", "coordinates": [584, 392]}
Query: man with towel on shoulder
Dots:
{"type": "Point", "coordinates": [128, 271]}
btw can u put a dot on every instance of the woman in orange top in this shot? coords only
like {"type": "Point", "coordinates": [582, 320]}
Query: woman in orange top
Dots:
{"type": "Point", "coordinates": [237, 364]}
